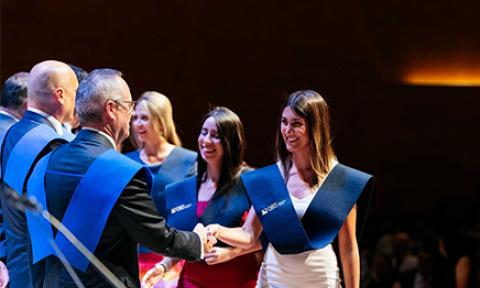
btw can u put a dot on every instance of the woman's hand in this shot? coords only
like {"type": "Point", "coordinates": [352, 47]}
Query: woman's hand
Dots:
{"type": "Point", "coordinates": [244, 237]}
{"type": "Point", "coordinates": [213, 230]}
{"type": "Point", "coordinates": [153, 276]}
{"type": "Point", "coordinates": [220, 254]}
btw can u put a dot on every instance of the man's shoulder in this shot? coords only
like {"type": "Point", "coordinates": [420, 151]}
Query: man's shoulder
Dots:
{"type": "Point", "coordinates": [16, 132]}
{"type": "Point", "coordinates": [22, 127]}
{"type": "Point", "coordinates": [134, 155]}
{"type": "Point", "coordinates": [119, 159]}
{"type": "Point", "coordinates": [6, 121]}
{"type": "Point", "coordinates": [87, 153]}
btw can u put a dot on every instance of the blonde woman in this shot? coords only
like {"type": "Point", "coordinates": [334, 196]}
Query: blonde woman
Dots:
{"type": "Point", "coordinates": [159, 149]}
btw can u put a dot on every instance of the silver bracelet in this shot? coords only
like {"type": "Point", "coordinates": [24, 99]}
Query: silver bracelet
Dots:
{"type": "Point", "coordinates": [159, 265]}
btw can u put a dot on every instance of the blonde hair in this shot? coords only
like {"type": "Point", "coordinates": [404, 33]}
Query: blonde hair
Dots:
{"type": "Point", "coordinates": [161, 116]}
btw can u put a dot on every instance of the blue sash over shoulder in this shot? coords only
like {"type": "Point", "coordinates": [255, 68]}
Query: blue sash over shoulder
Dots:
{"type": "Point", "coordinates": [181, 204]}
{"type": "Point", "coordinates": [323, 218]}
{"type": "Point", "coordinates": [226, 210]}
{"type": "Point", "coordinates": [40, 231]}
{"type": "Point", "coordinates": [24, 153]}
{"type": "Point", "coordinates": [179, 165]}
{"type": "Point", "coordinates": [176, 166]}
{"type": "Point", "coordinates": [93, 199]}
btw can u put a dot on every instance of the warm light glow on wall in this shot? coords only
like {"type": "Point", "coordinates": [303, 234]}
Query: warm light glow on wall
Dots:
{"type": "Point", "coordinates": [442, 78]}
{"type": "Point", "coordinates": [443, 72]}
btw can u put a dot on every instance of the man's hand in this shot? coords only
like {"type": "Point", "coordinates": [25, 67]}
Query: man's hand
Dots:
{"type": "Point", "coordinates": [207, 240]}
{"type": "Point", "coordinates": [213, 230]}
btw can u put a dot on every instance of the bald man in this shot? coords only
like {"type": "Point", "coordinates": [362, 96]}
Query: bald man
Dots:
{"type": "Point", "coordinates": [51, 96]}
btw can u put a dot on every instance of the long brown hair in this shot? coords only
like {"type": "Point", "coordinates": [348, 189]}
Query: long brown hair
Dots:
{"type": "Point", "coordinates": [232, 137]}
{"type": "Point", "coordinates": [313, 108]}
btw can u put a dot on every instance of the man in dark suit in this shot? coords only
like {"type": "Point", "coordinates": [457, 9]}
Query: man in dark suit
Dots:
{"type": "Point", "coordinates": [12, 106]}
{"type": "Point", "coordinates": [13, 102]}
{"type": "Point", "coordinates": [51, 98]}
{"type": "Point", "coordinates": [82, 182]}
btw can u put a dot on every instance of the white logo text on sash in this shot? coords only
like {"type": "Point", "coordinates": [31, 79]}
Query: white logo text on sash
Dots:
{"type": "Point", "coordinates": [180, 208]}
{"type": "Point", "coordinates": [272, 206]}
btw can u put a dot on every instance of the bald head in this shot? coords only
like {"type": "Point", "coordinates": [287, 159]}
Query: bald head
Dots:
{"type": "Point", "coordinates": [51, 88]}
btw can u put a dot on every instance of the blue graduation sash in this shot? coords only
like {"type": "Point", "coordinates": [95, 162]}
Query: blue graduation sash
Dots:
{"type": "Point", "coordinates": [175, 167]}
{"type": "Point", "coordinates": [323, 218]}
{"type": "Point", "coordinates": [24, 153]}
{"type": "Point", "coordinates": [181, 204]}
{"type": "Point", "coordinates": [40, 230]}
{"type": "Point", "coordinates": [181, 199]}
{"type": "Point", "coordinates": [227, 210]}
{"type": "Point", "coordinates": [93, 208]}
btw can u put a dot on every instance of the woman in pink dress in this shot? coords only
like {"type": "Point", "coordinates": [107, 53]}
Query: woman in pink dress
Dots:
{"type": "Point", "coordinates": [215, 195]}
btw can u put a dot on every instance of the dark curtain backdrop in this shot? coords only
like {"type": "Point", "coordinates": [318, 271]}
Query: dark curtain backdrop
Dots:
{"type": "Point", "coordinates": [421, 142]}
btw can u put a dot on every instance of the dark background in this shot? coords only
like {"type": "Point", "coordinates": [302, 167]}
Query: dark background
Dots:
{"type": "Point", "coordinates": [420, 141]}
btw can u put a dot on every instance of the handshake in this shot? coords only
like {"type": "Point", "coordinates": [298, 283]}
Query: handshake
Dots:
{"type": "Point", "coordinates": [208, 235]}
{"type": "Point", "coordinates": [211, 255]}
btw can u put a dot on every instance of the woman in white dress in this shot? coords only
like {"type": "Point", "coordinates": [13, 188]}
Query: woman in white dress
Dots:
{"type": "Point", "coordinates": [307, 175]}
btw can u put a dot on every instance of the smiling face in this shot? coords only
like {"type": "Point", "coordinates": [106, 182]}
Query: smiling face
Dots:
{"type": "Point", "coordinates": [209, 143]}
{"type": "Point", "coordinates": [142, 123]}
{"type": "Point", "coordinates": [294, 129]}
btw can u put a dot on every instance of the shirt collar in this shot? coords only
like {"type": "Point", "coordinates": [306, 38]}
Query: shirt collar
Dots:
{"type": "Point", "coordinates": [3, 112]}
{"type": "Point", "coordinates": [109, 138]}
{"type": "Point", "coordinates": [57, 125]}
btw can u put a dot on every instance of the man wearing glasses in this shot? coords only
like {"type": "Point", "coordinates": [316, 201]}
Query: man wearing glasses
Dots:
{"type": "Point", "coordinates": [102, 196]}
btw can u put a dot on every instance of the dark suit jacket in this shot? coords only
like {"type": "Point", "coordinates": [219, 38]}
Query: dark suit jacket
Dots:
{"type": "Point", "coordinates": [18, 248]}
{"type": "Point", "coordinates": [132, 220]}
{"type": "Point", "coordinates": [5, 123]}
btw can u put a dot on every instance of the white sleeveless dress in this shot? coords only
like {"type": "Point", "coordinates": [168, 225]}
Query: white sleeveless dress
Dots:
{"type": "Point", "coordinates": [315, 268]}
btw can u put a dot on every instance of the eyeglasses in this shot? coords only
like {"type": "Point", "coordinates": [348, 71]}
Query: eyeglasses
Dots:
{"type": "Point", "coordinates": [130, 105]}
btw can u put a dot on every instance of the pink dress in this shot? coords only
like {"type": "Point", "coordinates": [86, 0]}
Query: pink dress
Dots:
{"type": "Point", "coordinates": [241, 272]}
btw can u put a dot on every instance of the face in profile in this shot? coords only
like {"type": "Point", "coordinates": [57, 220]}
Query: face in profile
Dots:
{"type": "Point", "coordinates": [125, 108]}
{"type": "Point", "coordinates": [294, 129]}
{"type": "Point", "coordinates": [142, 124]}
{"type": "Point", "coordinates": [70, 90]}
{"type": "Point", "coordinates": [209, 143]}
